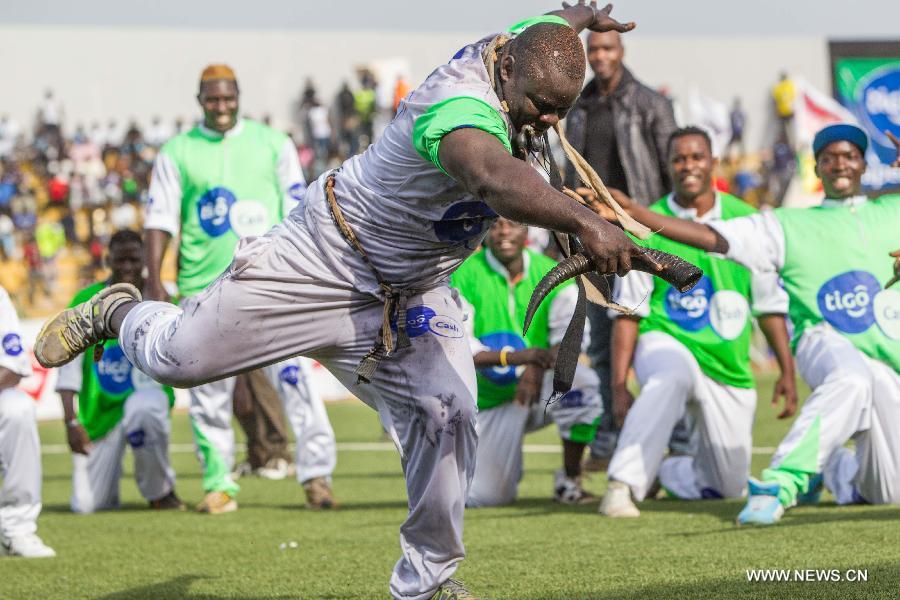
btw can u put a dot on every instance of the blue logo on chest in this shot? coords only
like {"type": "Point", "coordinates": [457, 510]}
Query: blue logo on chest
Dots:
{"type": "Point", "coordinates": [464, 221]}
{"type": "Point", "coordinates": [690, 310]}
{"type": "Point", "coordinates": [290, 374]}
{"type": "Point", "coordinates": [114, 371]}
{"type": "Point", "coordinates": [496, 342]}
{"type": "Point", "coordinates": [213, 209]}
{"type": "Point", "coordinates": [845, 301]}
{"type": "Point", "coordinates": [12, 344]}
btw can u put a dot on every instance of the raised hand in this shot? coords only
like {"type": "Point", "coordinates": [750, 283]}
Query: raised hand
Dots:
{"type": "Point", "coordinates": [602, 21]}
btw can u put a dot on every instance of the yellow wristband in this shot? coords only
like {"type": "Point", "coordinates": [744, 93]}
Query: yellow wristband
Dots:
{"type": "Point", "coordinates": [503, 354]}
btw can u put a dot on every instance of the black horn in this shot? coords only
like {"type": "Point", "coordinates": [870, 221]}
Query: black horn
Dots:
{"type": "Point", "coordinates": [575, 265]}
{"type": "Point", "coordinates": [679, 273]}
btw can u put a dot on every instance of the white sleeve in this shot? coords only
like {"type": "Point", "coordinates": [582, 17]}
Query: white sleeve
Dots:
{"type": "Point", "coordinates": [163, 210]}
{"type": "Point", "coordinates": [69, 376]}
{"type": "Point", "coordinates": [561, 310]}
{"type": "Point", "coordinates": [12, 353]}
{"type": "Point", "coordinates": [755, 241]}
{"type": "Point", "coordinates": [633, 291]}
{"type": "Point", "coordinates": [290, 175]}
{"type": "Point", "coordinates": [768, 295]}
{"type": "Point", "coordinates": [469, 325]}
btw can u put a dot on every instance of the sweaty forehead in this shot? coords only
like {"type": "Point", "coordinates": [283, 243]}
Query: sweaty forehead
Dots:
{"type": "Point", "coordinates": [553, 88]}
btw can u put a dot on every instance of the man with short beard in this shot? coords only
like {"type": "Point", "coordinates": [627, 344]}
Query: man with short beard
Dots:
{"type": "Point", "coordinates": [515, 371]}
{"type": "Point", "coordinates": [691, 353]}
{"type": "Point", "coordinates": [356, 276]}
{"type": "Point", "coordinates": [621, 127]}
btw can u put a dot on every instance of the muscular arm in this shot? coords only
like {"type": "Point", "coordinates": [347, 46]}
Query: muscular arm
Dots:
{"type": "Point", "coordinates": [774, 328]}
{"type": "Point", "coordinates": [681, 230]}
{"type": "Point", "coordinates": [155, 243]}
{"type": "Point", "coordinates": [514, 189]}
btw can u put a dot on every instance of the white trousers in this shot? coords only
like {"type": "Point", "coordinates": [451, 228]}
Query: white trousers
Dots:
{"type": "Point", "coordinates": [20, 464]}
{"type": "Point", "coordinates": [145, 427]}
{"type": "Point", "coordinates": [211, 411]}
{"type": "Point", "coordinates": [498, 466]}
{"type": "Point", "coordinates": [854, 397]}
{"type": "Point", "coordinates": [672, 383]}
{"type": "Point", "coordinates": [281, 299]}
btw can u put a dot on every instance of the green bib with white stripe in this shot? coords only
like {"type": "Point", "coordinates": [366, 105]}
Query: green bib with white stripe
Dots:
{"type": "Point", "coordinates": [230, 189]}
{"type": "Point", "coordinates": [712, 320]}
{"type": "Point", "coordinates": [499, 316]}
{"type": "Point", "coordinates": [835, 266]}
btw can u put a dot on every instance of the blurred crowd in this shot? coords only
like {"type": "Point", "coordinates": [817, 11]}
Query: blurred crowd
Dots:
{"type": "Point", "coordinates": [64, 188]}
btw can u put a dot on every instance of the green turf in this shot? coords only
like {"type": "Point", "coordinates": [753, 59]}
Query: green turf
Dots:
{"type": "Point", "coordinates": [532, 550]}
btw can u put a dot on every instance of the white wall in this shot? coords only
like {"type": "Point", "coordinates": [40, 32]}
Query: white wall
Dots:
{"type": "Point", "coordinates": [127, 73]}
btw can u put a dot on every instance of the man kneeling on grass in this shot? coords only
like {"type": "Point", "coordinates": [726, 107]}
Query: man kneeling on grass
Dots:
{"type": "Point", "coordinates": [117, 404]}
{"type": "Point", "coordinates": [515, 373]}
{"type": "Point", "coordinates": [691, 352]}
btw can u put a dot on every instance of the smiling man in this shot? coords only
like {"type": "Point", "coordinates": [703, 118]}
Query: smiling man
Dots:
{"type": "Point", "coordinates": [226, 179]}
{"type": "Point", "coordinates": [691, 352]}
{"type": "Point", "coordinates": [356, 276]}
{"type": "Point", "coordinates": [834, 260]}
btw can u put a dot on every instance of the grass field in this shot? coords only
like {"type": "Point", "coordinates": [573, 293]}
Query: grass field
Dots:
{"type": "Point", "coordinates": [533, 550]}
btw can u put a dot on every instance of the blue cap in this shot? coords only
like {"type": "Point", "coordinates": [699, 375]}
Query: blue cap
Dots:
{"type": "Point", "coordinates": [841, 132]}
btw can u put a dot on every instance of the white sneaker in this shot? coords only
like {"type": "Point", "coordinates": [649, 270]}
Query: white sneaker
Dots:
{"type": "Point", "coordinates": [617, 501]}
{"type": "Point", "coordinates": [28, 545]}
{"type": "Point", "coordinates": [276, 469]}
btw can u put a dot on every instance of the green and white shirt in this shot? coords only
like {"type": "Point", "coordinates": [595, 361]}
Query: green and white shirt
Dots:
{"type": "Point", "coordinates": [495, 307]}
{"type": "Point", "coordinates": [712, 320]}
{"type": "Point", "coordinates": [104, 386]}
{"type": "Point", "coordinates": [215, 189]}
{"type": "Point", "coordinates": [833, 261]}
{"type": "Point", "coordinates": [416, 223]}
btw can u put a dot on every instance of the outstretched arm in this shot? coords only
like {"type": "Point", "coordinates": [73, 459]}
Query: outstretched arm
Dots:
{"type": "Point", "coordinates": [514, 189]}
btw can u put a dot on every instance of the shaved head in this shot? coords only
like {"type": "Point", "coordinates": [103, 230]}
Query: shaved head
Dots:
{"type": "Point", "coordinates": [550, 46]}
{"type": "Point", "coordinates": [541, 74]}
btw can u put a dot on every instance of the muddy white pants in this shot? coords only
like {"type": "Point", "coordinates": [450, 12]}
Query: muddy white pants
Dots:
{"type": "Point", "coordinates": [672, 383]}
{"type": "Point", "coordinates": [853, 397]}
{"type": "Point", "coordinates": [145, 427]}
{"type": "Point", "coordinates": [498, 467]}
{"type": "Point", "coordinates": [211, 410]}
{"type": "Point", "coordinates": [278, 300]}
{"type": "Point", "coordinates": [20, 464]}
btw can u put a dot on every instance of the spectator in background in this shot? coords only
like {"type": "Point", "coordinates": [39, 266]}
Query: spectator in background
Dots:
{"type": "Point", "coordinates": [401, 89]}
{"type": "Point", "coordinates": [738, 120]}
{"type": "Point", "coordinates": [364, 103]}
{"type": "Point", "coordinates": [320, 129]}
{"type": "Point", "coordinates": [621, 127]}
{"type": "Point", "coordinates": [783, 94]}
{"type": "Point", "coordinates": [50, 113]}
{"type": "Point", "coordinates": [348, 120]}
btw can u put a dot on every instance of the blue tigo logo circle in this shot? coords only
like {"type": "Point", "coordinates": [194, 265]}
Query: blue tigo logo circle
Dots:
{"type": "Point", "coordinates": [290, 374]}
{"type": "Point", "coordinates": [690, 310]}
{"type": "Point", "coordinates": [496, 342]}
{"type": "Point", "coordinates": [464, 221]}
{"type": "Point", "coordinates": [12, 344]}
{"type": "Point", "coordinates": [114, 371]}
{"type": "Point", "coordinates": [878, 99]}
{"type": "Point", "coordinates": [845, 301]}
{"type": "Point", "coordinates": [213, 209]}
{"type": "Point", "coordinates": [417, 319]}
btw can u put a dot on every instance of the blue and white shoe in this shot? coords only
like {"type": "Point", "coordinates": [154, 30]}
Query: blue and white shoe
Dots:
{"type": "Point", "coordinates": [763, 506]}
{"type": "Point", "coordinates": [813, 491]}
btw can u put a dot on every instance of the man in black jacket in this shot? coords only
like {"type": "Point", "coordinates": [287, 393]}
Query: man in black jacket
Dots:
{"type": "Point", "coordinates": [621, 127]}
